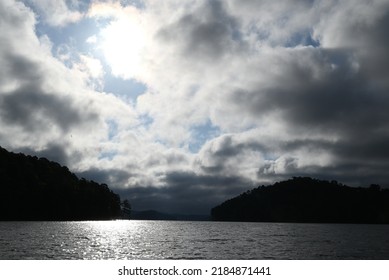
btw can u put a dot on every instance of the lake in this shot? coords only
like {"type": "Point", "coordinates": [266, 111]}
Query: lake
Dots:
{"type": "Point", "coordinates": [191, 240]}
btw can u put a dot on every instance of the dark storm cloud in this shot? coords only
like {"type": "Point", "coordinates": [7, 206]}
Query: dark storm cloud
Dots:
{"type": "Point", "coordinates": [366, 148]}
{"type": "Point", "coordinates": [33, 109]}
{"type": "Point", "coordinates": [352, 173]}
{"type": "Point", "coordinates": [191, 179]}
{"type": "Point", "coordinates": [343, 101]}
{"type": "Point", "coordinates": [54, 152]}
{"type": "Point", "coordinates": [115, 177]}
{"type": "Point", "coordinates": [207, 33]}
{"type": "Point", "coordinates": [375, 40]}
{"type": "Point", "coordinates": [185, 193]}
{"type": "Point", "coordinates": [305, 98]}
{"type": "Point", "coordinates": [357, 162]}
{"type": "Point", "coordinates": [226, 148]}
{"type": "Point", "coordinates": [19, 67]}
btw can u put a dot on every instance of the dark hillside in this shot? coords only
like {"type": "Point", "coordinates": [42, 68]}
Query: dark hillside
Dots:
{"type": "Point", "coordinates": [305, 199]}
{"type": "Point", "coordinates": [34, 188]}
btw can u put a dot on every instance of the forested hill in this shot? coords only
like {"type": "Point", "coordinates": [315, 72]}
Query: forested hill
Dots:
{"type": "Point", "coordinates": [305, 199]}
{"type": "Point", "coordinates": [34, 188]}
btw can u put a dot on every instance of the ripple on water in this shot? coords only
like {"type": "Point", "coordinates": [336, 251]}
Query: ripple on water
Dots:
{"type": "Point", "coordinates": [190, 240]}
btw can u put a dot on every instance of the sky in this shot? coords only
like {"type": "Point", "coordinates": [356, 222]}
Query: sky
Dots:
{"type": "Point", "coordinates": [179, 105]}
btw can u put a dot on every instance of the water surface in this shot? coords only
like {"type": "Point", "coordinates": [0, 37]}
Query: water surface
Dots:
{"type": "Point", "coordinates": [191, 240]}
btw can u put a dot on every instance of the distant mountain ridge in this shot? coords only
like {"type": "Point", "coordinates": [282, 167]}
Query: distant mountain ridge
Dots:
{"type": "Point", "coordinates": [303, 199]}
{"type": "Point", "coordinates": [33, 188]}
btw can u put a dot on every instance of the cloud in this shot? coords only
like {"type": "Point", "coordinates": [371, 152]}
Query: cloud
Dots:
{"type": "Point", "coordinates": [185, 192]}
{"type": "Point", "coordinates": [328, 89]}
{"type": "Point", "coordinates": [57, 13]}
{"type": "Point", "coordinates": [54, 152]}
{"type": "Point", "coordinates": [93, 70]}
{"type": "Point", "coordinates": [33, 109]}
{"type": "Point", "coordinates": [207, 33]}
{"type": "Point", "coordinates": [44, 102]}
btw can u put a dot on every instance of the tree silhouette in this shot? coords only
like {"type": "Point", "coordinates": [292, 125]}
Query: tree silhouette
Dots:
{"type": "Point", "coordinates": [38, 189]}
{"type": "Point", "coordinates": [303, 199]}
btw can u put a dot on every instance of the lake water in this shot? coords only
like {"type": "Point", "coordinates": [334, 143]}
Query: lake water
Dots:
{"type": "Point", "coordinates": [191, 240]}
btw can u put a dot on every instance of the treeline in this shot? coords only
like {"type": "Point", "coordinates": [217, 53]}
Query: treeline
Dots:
{"type": "Point", "coordinates": [34, 188]}
{"type": "Point", "coordinates": [303, 199]}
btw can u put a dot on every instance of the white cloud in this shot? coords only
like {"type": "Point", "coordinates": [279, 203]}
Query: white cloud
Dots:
{"type": "Point", "coordinates": [346, 24]}
{"type": "Point", "coordinates": [44, 102]}
{"type": "Point", "coordinates": [93, 69]}
{"type": "Point", "coordinates": [56, 13]}
{"type": "Point", "coordinates": [92, 39]}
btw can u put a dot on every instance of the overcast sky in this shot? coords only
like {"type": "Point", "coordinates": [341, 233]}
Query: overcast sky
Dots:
{"type": "Point", "coordinates": [180, 104]}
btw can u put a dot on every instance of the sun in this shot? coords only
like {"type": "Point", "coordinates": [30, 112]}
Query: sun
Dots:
{"type": "Point", "coordinates": [122, 44]}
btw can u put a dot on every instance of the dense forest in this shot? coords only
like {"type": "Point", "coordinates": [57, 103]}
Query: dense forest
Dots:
{"type": "Point", "coordinates": [304, 199]}
{"type": "Point", "coordinates": [34, 188]}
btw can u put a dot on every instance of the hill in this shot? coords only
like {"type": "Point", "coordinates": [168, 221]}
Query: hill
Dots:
{"type": "Point", "coordinates": [304, 199]}
{"type": "Point", "coordinates": [34, 188]}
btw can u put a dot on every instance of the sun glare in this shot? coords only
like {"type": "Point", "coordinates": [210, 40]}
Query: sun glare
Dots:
{"type": "Point", "coordinates": [122, 45]}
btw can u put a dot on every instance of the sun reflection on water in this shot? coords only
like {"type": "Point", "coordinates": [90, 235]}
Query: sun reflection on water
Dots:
{"type": "Point", "coordinates": [123, 239]}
